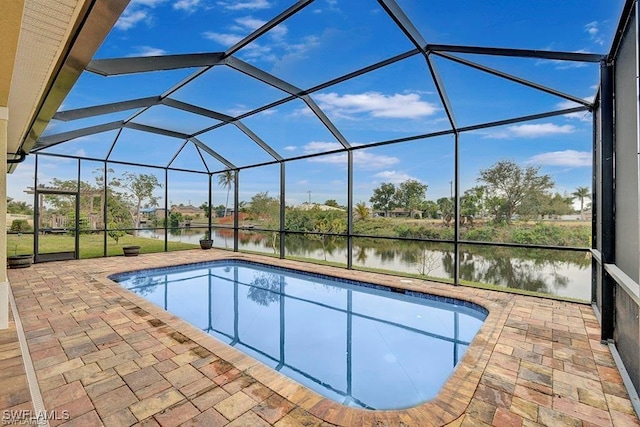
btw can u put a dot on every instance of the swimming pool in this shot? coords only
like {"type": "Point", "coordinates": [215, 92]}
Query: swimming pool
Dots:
{"type": "Point", "coordinates": [358, 344]}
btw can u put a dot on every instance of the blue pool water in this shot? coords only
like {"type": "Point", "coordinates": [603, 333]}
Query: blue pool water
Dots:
{"type": "Point", "coordinates": [355, 343]}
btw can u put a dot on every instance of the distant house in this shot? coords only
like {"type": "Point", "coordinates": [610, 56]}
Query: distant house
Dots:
{"type": "Point", "coordinates": [398, 213]}
{"type": "Point", "coordinates": [308, 206]}
{"type": "Point", "coordinates": [188, 210]}
{"type": "Point", "coordinates": [147, 214]}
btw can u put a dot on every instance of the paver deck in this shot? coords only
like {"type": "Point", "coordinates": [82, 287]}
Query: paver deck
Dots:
{"type": "Point", "coordinates": [107, 356]}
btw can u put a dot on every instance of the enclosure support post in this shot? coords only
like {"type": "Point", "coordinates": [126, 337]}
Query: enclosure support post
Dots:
{"type": "Point", "coordinates": [350, 210]}
{"type": "Point", "coordinates": [595, 212]}
{"type": "Point", "coordinates": [166, 210]}
{"type": "Point", "coordinates": [105, 224]}
{"type": "Point", "coordinates": [210, 207]}
{"type": "Point", "coordinates": [77, 222]}
{"type": "Point", "coordinates": [282, 208]}
{"type": "Point", "coordinates": [36, 209]}
{"type": "Point", "coordinates": [608, 198]}
{"type": "Point", "coordinates": [456, 208]}
{"type": "Point", "coordinates": [236, 214]}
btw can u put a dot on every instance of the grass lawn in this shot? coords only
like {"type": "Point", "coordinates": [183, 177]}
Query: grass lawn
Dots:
{"type": "Point", "coordinates": [91, 245]}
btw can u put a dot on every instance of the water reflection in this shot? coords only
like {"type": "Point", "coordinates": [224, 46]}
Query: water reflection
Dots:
{"type": "Point", "coordinates": [555, 272]}
{"type": "Point", "coordinates": [358, 346]}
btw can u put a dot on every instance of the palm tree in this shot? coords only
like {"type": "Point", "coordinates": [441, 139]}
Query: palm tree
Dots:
{"type": "Point", "coordinates": [582, 193]}
{"type": "Point", "coordinates": [362, 211]}
{"type": "Point", "coordinates": [225, 180]}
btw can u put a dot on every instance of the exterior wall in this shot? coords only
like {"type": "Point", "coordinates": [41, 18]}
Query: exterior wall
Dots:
{"type": "Point", "coordinates": [4, 281]}
{"type": "Point", "coordinates": [10, 24]}
{"type": "Point", "coordinates": [624, 267]}
{"type": "Point", "coordinates": [3, 191]}
{"type": "Point", "coordinates": [626, 158]}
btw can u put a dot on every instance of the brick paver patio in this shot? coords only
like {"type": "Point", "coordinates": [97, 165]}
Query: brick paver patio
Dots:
{"type": "Point", "coordinates": [107, 356]}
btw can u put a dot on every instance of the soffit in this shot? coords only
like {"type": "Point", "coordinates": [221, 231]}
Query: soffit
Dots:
{"type": "Point", "coordinates": [46, 28]}
{"type": "Point", "coordinates": [57, 40]}
{"type": "Point", "coordinates": [9, 30]}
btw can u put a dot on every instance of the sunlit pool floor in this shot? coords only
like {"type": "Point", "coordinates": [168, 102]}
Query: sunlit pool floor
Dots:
{"type": "Point", "coordinates": [107, 356]}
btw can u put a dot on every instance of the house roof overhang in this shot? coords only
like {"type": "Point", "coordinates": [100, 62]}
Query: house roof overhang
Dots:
{"type": "Point", "coordinates": [55, 43]}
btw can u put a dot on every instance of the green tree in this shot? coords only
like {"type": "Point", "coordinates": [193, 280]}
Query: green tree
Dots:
{"type": "Point", "coordinates": [140, 189]}
{"type": "Point", "coordinates": [118, 207]}
{"type": "Point", "coordinates": [410, 195]}
{"type": "Point", "coordinates": [445, 206]}
{"type": "Point", "coordinates": [429, 209]}
{"type": "Point", "coordinates": [328, 226]}
{"type": "Point", "coordinates": [332, 202]}
{"type": "Point", "coordinates": [205, 208]}
{"type": "Point", "coordinates": [384, 198]}
{"type": "Point", "coordinates": [226, 180]}
{"type": "Point", "coordinates": [20, 208]}
{"type": "Point", "coordinates": [175, 218]}
{"type": "Point", "coordinates": [114, 233]}
{"type": "Point", "coordinates": [266, 209]}
{"type": "Point", "coordinates": [582, 193]}
{"type": "Point", "coordinates": [512, 184]}
{"type": "Point", "coordinates": [472, 202]}
{"type": "Point", "coordinates": [362, 211]}
{"type": "Point", "coordinates": [556, 205]}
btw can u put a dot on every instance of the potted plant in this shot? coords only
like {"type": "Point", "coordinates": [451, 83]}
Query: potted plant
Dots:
{"type": "Point", "coordinates": [131, 250]}
{"type": "Point", "coordinates": [19, 261]}
{"type": "Point", "coordinates": [206, 242]}
{"type": "Point", "coordinates": [116, 234]}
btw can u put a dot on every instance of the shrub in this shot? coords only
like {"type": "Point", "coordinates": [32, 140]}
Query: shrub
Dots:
{"type": "Point", "coordinates": [481, 234]}
{"type": "Point", "coordinates": [115, 234]}
{"type": "Point", "coordinates": [20, 225]}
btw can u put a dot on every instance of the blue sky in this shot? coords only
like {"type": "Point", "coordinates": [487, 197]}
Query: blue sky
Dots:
{"type": "Point", "coordinates": [325, 40]}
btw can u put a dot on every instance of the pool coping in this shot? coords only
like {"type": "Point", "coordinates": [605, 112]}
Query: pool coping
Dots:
{"type": "Point", "coordinates": [450, 403]}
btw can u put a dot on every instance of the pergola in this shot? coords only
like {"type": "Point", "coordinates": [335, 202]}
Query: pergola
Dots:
{"type": "Point", "coordinates": [615, 268]}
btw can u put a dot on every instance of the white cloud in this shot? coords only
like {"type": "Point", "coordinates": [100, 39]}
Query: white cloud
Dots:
{"type": "Point", "coordinates": [393, 176]}
{"type": "Point", "coordinates": [363, 158]}
{"type": "Point", "coordinates": [238, 110]}
{"type": "Point", "coordinates": [570, 158]}
{"type": "Point", "coordinates": [130, 19]}
{"type": "Point", "coordinates": [138, 11]}
{"type": "Point", "coordinates": [188, 6]}
{"type": "Point", "coordinates": [290, 148]}
{"type": "Point", "coordinates": [308, 42]}
{"type": "Point", "coordinates": [375, 104]}
{"type": "Point", "coordinates": [583, 116]}
{"type": "Point", "coordinates": [277, 49]}
{"type": "Point", "coordinates": [250, 23]}
{"type": "Point", "coordinates": [148, 3]}
{"type": "Point", "coordinates": [564, 65]}
{"type": "Point", "coordinates": [592, 28]}
{"type": "Point", "coordinates": [147, 51]}
{"type": "Point", "coordinates": [320, 147]}
{"type": "Point", "coordinates": [18, 181]}
{"type": "Point", "coordinates": [532, 131]}
{"type": "Point", "coordinates": [331, 5]}
{"type": "Point", "coordinates": [256, 51]}
{"type": "Point", "coordinates": [245, 5]}
{"type": "Point", "coordinates": [225, 39]}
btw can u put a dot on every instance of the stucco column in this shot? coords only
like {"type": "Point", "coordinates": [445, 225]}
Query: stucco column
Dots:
{"type": "Point", "coordinates": [4, 284]}
{"type": "Point", "coordinates": [10, 24]}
